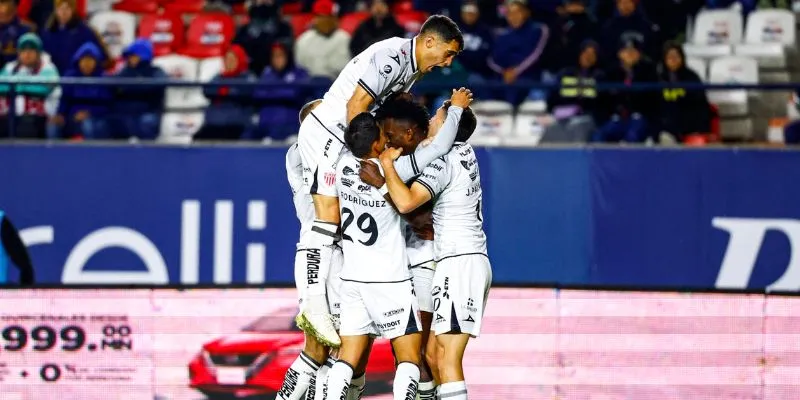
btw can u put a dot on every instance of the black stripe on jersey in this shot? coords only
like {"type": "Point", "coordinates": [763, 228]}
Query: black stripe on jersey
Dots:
{"type": "Point", "coordinates": [414, 166]}
{"type": "Point", "coordinates": [352, 280]}
{"type": "Point", "coordinates": [315, 183]}
{"type": "Point", "coordinates": [326, 128]}
{"type": "Point", "coordinates": [368, 89]}
{"type": "Point", "coordinates": [413, 55]}
{"type": "Point", "coordinates": [426, 186]}
{"type": "Point", "coordinates": [420, 265]}
{"type": "Point", "coordinates": [465, 254]}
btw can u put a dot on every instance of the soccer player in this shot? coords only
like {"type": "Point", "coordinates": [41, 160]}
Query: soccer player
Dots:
{"type": "Point", "coordinates": [463, 272]}
{"type": "Point", "coordinates": [387, 67]}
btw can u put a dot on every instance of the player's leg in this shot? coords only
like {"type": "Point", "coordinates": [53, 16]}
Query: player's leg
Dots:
{"type": "Point", "coordinates": [319, 151]}
{"type": "Point", "coordinates": [334, 286]}
{"type": "Point", "coordinates": [359, 380]}
{"type": "Point", "coordinates": [422, 277]}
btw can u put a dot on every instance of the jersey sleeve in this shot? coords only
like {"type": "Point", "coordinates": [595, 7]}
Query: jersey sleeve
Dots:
{"type": "Point", "coordinates": [408, 167]}
{"type": "Point", "coordinates": [435, 177]}
{"type": "Point", "coordinates": [383, 72]}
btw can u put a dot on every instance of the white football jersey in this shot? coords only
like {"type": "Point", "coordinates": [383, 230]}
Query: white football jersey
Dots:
{"type": "Point", "coordinates": [385, 68]}
{"type": "Point", "coordinates": [454, 181]}
{"type": "Point", "coordinates": [303, 203]}
{"type": "Point", "coordinates": [419, 251]}
{"type": "Point", "coordinates": [373, 239]}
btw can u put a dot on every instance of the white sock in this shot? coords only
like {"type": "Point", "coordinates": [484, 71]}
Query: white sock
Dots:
{"type": "Point", "coordinates": [356, 388]}
{"type": "Point", "coordinates": [298, 378]}
{"type": "Point", "coordinates": [453, 390]}
{"type": "Point", "coordinates": [426, 391]}
{"type": "Point", "coordinates": [406, 380]}
{"type": "Point", "coordinates": [317, 392]}
{"type": "Point", "coordinates": [338, 381]}
{"type": "Point", "coordinates": [318, 259]}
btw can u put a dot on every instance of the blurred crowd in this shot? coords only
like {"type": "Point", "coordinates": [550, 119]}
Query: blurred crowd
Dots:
{"type": "Point", "coordinates": [577, 43]}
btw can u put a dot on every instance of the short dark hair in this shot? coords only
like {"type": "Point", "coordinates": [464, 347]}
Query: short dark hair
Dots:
{"type": "Point", "coordinates": [362, 132]}
{"type": "Point", "coordinates": [466, 126]}
{"type": "Point", "coordinates": [444, 28]}
{"type": "Point", "coordinates": [405, 110]}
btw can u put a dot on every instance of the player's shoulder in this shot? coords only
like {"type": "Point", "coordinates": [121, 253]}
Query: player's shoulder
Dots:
{"type": "Point", "coordinates": [461, 150]}
{"type": "Point", "coordinates": [347, 164]}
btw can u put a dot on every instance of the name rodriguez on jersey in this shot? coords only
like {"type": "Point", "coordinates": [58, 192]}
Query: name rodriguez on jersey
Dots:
{"type": "Point", "coordinates": [362, 202]}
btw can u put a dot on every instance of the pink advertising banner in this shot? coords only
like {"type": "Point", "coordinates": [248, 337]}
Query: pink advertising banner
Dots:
{"type": "Point", "coordinates": [198, 344]}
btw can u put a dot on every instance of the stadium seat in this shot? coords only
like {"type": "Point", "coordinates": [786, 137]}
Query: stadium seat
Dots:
{"type": "Point", "coordinates": [179, 127]}
{"type": "Point", "coordinates": [733, 105]}
{"type": "Point", "coordinates": [294, 7]}
{"type": "Point", "coordinates": [402, 6]}
{"type": "Point", "coordinates": [137, 6]}
{"type": "Point", "coordinates": [715, 31]}
{"type": "Point", "coordinates": [770, 34]}
{"type": "Point", "coordinates": [411, 21]}
{"type": "Point", "coordinates": [495, 120]}
{"type": "Point", "coordinates": [208, 35]}
{"type": "Point", "coordinates": [180, 68]}
{"type": "Point", "coordinates": [209, 68]}
{"type": "Point", "coordinates": [164, 30]}
{"type": "Point", "coordinates": [184, 6]}
{"type": "Point", "coordinates": [300, 23]}
{"type": "Point", "coordinates": [699, 66]}
{"type": "Point", "coordinates": [528, 126]}
{"type": "Point", "coordinates": [351, 21]}
{"type": "Point", "coordinates": [117, 28]}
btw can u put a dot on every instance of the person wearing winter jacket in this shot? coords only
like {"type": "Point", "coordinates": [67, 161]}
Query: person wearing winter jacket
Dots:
{"type": "Point", "coordinates": [683, 112]}
{"type": "Point", "coordinates": [137, 109]}
{"type": "Point", "coordinates": [277, 119]}
{"type": "Point", "coordinates": [83, 109]}
{"type": "Point", "coordinates": [65, 33]}
{"type": "Point", "coordinates": [381, 25]}
{"type": "Point", "coordinates": [630, 23]}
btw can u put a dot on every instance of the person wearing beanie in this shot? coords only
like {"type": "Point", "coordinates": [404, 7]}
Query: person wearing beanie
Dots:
{"type": "Point", "coordinates": [634, 114]}
{"type": "Point", "coordinates": [325, 49]}
{"type": "Point", "coordinates": [381, 25]}
{"type": "Point", "coordinates": [264, 29]}
{"type": "Point", "coordinates": [65, 33]}
{"type": "Point", "coordinates": [11, 29]}
{"type": "Point", "coordinates": [277, 119]}
{"type": "Point", "coordinates": [31, 112]}
{"type": "Point", "coordinates": [137, 110]}
{"type": "Point", "coordinates": [230, 111]}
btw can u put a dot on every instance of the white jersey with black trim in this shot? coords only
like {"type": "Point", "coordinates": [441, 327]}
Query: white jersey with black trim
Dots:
{"type": "Point", "coordinates": [454, 181]}
{"type": "Point", "coordinates": [385, 68]}
{"type": "Point", "coordinates": [303, 203]}
{"type": "Point", "coordinates": [419, 251]}
{"type": "Point", "coordinates": [373, 239]}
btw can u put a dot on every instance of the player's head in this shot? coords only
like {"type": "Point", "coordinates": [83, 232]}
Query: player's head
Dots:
{"type": "Point", "coordinates": [308, 108]}
{"type": "Point", "coordinates": [466, 125]}
{"type": "Point", "coordinates": [438, 43]}
{"type": "Point", "coordinates": [363, 136]}
{"type": "Point", "coordinates": [405, 123]}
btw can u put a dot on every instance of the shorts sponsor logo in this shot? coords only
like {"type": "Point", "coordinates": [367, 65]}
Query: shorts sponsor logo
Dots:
{"type": "Point", "coordinates": [469, 319]}
{"type": "Point", "coordinates": [470, 306]}
{"type": "Point", "coordinates": [393, 312]}
{"type": "Point", "coordinates": [435, 291]}
{"type": "Point", "coordinates": [439, 318]}
{"type": "Point", "coordinates": [446, 286]}
{"type": "Point", "coordinates": [387, 69]}
{"type": "Point", "coordinates": [389, 325]}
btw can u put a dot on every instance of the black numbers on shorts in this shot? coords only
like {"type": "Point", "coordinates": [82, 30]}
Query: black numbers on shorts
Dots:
{"type": "Point", "coordinates": [365, 223]}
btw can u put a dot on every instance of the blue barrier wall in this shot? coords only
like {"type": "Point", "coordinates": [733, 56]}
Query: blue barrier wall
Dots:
{"type": "Point", "coordinates": [644, 217]}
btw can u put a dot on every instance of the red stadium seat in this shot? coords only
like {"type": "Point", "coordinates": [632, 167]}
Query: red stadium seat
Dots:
{"type": "Point", "coordinates": [208, 35]}
{"type": "Point", "coordinates": [294, 7]}
{"type": "Point", "coordinates": [137, 6]}
{"type": "Point", "coordinates": [351, 21]}
{"type": "Point", "coordinates": [411, 21]}
{"type": "Point", "coordinates": [166, 31]}
{"type": "Point", "coordinates": [402, 6]}
{"type": "Point", "coordinates": [300, 23]}
{"type": "Point", "coordinates": [696, 139]}
{"type": "Point", "coordinates": [184, 6]}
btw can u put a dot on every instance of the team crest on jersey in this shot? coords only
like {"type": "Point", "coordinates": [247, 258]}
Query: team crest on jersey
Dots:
{"type": "Point", "coordinates": [330, 178]}
{"type": "Point", "coordinates": [348, 171]}
{"type": "Point", "coordinates": [387, 69]}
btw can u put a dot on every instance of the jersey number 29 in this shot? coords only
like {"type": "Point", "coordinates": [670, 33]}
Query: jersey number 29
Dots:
{"type": "Point", "coordinates": [365, 222]}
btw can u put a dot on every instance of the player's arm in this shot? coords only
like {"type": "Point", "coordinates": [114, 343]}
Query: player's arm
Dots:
{"type": "Point", "coordinates": [383, 72]}
{"type": "Point", "coordinates": [406, 199]}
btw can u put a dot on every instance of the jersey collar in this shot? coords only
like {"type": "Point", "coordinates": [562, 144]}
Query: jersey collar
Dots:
{"type": "Point", "coordinates": [413, 55]}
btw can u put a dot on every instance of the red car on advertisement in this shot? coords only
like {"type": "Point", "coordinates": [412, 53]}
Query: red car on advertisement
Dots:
{"type": "Point", "coordinates": [252, 363]}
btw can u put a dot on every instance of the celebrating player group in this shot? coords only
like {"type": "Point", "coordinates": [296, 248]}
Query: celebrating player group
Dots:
{"type": "Point", "coordinates": [391, 241]}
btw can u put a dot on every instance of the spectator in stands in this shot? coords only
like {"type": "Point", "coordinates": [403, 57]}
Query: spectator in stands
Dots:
{"type": "Point", "coordinates": [572, 28]}
{"type": "Point", "coordinates": [138, 109]}
{"type": "Point", "coordinates": [633, 112]}
{"type": "Point", "coordinates": [577, 105]}
{"type": "Point", "coordinates": [65, 33]}
{"type": "Point", "coordinates": [229, 114]}
{"type": "Point", "coordinates": [683, 112]}
{"type": "Point", "coordinates": [83, 109]}
{"type": "Point", "coordinates": [264, 29]}
{"type": "Point", "coordinates": [517, 53]}
{"type": "Point", "coordinates": [277, 119]}
{"type": "Point", "coordinates": [323, 50]}
{"type": "Point", "coordinates": [446, 7]}
{"type": "Point", "coordinates": [381, 25]}
{"type": "Point", "coordinates": [39, 79]}
{"type": "Point", "coordinates": [478, 40]}
{"type": "Point", "coordinates": [671, 16]}
{"type": "Point", "coordinates": [39, 12]}
{"type": "Point", "coordinates": [629, 22]}
{"type": "Point", "coordinates": [11, 29]}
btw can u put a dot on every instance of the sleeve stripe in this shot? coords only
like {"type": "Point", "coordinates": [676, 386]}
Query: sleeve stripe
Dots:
{"type": "Point", "coordinates": [421, 182]}
{"type": "Point", "coordinates": [367, 88]}
{"type": "Point", "coordinates": [414, 166]}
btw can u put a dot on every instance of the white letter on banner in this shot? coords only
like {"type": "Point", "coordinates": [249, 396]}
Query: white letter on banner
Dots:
{"type": "Point", "coordinates": [190, 242]}
{"type": "Point", "coordinates": [32, 236]}
{"type": "Point", "coordinates": [223, 242]}
{"type": "Point", "coordinates": [746, 236]}
{"type": "Point", "coordinates": [256, 252]}
{"type": "Point", "coordinates": [109, 237]}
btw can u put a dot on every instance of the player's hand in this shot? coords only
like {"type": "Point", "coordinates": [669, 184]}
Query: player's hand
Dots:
{"type": "Point", "coordinates": [461, 98]}
{"type": "Point", "coordinates": [389, 155]}
{"type": "Point", "coordinates": [371, 174]}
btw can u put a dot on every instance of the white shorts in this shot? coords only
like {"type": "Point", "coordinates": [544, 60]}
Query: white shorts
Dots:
{"type": "Point", "coordinates": [460, 290]}
{"type": "Point", "coordinates": [387, 310]}
{"type": "Point", "coordinates": [319, 149]}
{"type": "Point", "coordinates": [333, 283]}
{"type": "Point", "coordinates": [422, 277]}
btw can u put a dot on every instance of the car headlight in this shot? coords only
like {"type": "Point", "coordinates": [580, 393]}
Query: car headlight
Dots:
{"type": "Point", "coordinates": [262, 360]}
{"type": "Point", "coordinates": [206, 356]}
